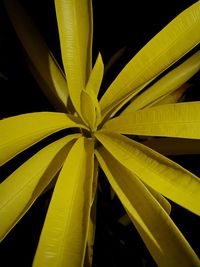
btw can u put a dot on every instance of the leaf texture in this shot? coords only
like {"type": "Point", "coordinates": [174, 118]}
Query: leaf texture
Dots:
{"type": "Point", "coordinates": [88, 109]}
{"type": "Point", "coordinates": [170, 120]}
{"type": "Point", "coordinates": [163, 239]}
{"type": "Point", "coordinates": [168, 84]}
{"type": "Point", "coordinates": [163, 50]}
{"type": "Point", "coordinates": [174, 97]}
{"type": "Point", "coordinates": [20, 132]}
{"type": "Point", "coordinates": [162, 200]}
{"type": "Point", "coordinates": [155, 170]}
{"type": "Point", "coordinates": [63, 239]}
{"type": "Point", "coordinates": [92, 220]}
{"type": "Point", "coordinates": [74, 19]}
{"type": "Point", "coordinates": [19, 191]}
{"type": "Point", "coordinates": [96, 76]}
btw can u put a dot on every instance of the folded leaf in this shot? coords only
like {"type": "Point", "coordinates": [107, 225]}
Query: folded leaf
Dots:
{"type": "Point", "coordinates": [20, 132]}
{"type": "Point", "coordinates": [120, 105]}
{"type": "Point", "coordinates": [167, 84]}
{"type": "Point", "coordinates": [96, 76]}
{"type": "Point", "coordinates": [19, 191]}
{"type": "Point", "coordinates": [174, 146]}
{"type": "Point", "coordinates": [155, 170]}
{"type": "Point", "coordinates": [74, 19]}
{"type": "Point", "coordinates": [125, 220]}
{"type": "Point", "coordinates": [169, 45]}
{"type": "Point", "coordinates": [161, 200]}
{"type": "Point", "coordinates": [163, 239]}
{"type": "Point", "coordinates": [172, 120]}
{"type": "Point", "coordinates": [88, 110]}
{"type": "Point", "coordinates": [63, 239]}
{"type": "Point", "coordinates": [42, 60]}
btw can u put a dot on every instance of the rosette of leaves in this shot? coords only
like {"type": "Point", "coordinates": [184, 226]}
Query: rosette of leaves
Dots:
{"type": "Point", "coordinates": [142, 178]}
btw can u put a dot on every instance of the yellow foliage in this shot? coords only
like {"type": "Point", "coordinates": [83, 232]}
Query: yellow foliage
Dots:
{"type": "Point", "coordinates": [142, 178]}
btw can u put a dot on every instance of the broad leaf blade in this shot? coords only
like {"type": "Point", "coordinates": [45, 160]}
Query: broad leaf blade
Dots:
{"type": "Point", "coordinates": [74, 19]}
{"type": "Point", "coordinates": [44, 65]}
{"type": "Point", "coordinates": [63, 238]}
{"type": "Point", "coordinates": [170, 120]}
{"type": "Point", "coordinates": [19, 191]}
{"type": "Point", "coordinates": [163, 239]}
{"type": "Point", "coordinates": [155, 170]}
{"type": "Point", "coordinates": [169, 45]}
{"type": "Point", "coordinates": [20, 132]}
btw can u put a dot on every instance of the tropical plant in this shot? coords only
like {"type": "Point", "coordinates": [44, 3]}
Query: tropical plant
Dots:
{"type": "Point", "coordinates": [144, 97]}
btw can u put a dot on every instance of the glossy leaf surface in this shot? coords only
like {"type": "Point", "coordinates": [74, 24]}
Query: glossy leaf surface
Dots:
{"type": "Point", "coordinates": [64, 235]}
{"type": "Point", "coordinates": [170, 120]}
{"type": "Point", "coordinates": [168, 84]}
{"type": "Point", "coordinates": [155, 170]}
{"type": "Point", "coordinates": [74, 19]}
{"type": "Point", "coordinates": [163, 239]}
{"type": "Point", "coordinates": [20, 132]}
{"type": "Point", "coordinates": [170, 44]}
{"type": "Point", "coordinates": [19, 191]}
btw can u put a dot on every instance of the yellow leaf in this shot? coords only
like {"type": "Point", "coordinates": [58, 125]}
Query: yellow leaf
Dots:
{"type": "Point", "coordinates": [155, 170]}
{"type": "Point", "coordinates": [162, 200]}
{"type": "Point", "coordinates": [63, 239]}
{"type": "Point", "coordinates": [44, 65]}
{"type": "Point", "coordinates": [74, 19]}
{"type": "Point", "coordinates": [172, 120]}
{"type": "Point", "coordinates": [174, 97]}
{"type": "Point", "coordinates": [167, 84]}
{"type": "Point", "coordinates": [96, 76]}
{"type": "Point", "coordinates": [88, 110]}
{"type": "Point", "coordinates": [169, 45]}
{"type": "Point", "coordinates": [95, 180]}
{"type": "Point", "coordinates": [163, 239]}
{"type": "Point", "coordinates": [92, 220]}
{"type": "Point", "coordinates": [91, 235]}
{"type": "Point", "coordinates": [19, 191]}
{"type": "Point", "coordinates": [20, 132]}
{"type": "Point", "coordinates": [111, 113]}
